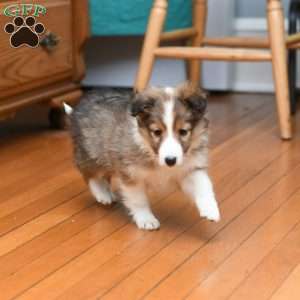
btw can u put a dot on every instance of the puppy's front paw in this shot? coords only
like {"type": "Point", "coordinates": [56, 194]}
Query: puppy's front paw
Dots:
{"type": "Point", "coordinates": [146, 220]}
{"type": "Point", "coordinates": [101, 192]}
{"type": "Point", "coordinates": [211, 211]}
{"type": "Point", "coordinates": [105, 200]}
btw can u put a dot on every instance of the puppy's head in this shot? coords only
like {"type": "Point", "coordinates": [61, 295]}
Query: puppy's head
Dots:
{"type": "Point", "coordinates": [171, 121]}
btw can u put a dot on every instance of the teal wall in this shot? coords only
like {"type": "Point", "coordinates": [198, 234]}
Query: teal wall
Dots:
{"type": "Point", "coordinates": [129, 17]}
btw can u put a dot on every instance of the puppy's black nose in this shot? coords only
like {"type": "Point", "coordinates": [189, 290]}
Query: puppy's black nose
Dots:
{"type": "Point", "coordinates": [170, 161]}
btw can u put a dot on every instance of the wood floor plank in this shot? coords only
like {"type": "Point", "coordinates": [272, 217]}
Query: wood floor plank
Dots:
{"type": "Point", "coordinates": [226, 108]}
{"type": "Point", "coordinates": [26, 142]}
{"type": "Point", "coordinates": [36, 149]}
{"type": "Point", "coordinates": [272, 271]}
{"type": "Point", "coordinates": [50, 232]}
{"type": "Point", "coordinates": [233, 126]}
{"type": "Point", "coordinates": [238, 140]}
{"type": "Point", "coordinates": [227, 178]}
{"type": "Point", "coordinates": [114, 269]}
{"type": "Point", "coordinates": [35, 227]}
{"type": "Point", "coordinates": [290, 289]}
{"type": "Point", "coordinates": [27, 180]}
{"type": "Point", "coordinates": [221, 283]}
{"type": "Point", "coordinates": [40, 206]}
{"type": "Point", "coordinates": [18, 165]}
{"type": "Point", "coordinates": [17, 174]}
{"type": "Point", "coordinates": [137, 284]}
{"type": "Point", "coordinates": [27, 253]}
{"type": "Point", "coordinates": [205, 260]}
{"type": "Point", "coordinates": [78, 290]}
{"type": "Point", "coordinates": [24, 162]}
{"type": "Point", "coordinates": [45, 185]}
{"type": "Point", "coordinates": [265, 161]}
{"type": "Point", "coordinates": [89, 243]}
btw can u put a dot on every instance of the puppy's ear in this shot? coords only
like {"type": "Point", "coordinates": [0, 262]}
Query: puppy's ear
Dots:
{"type": "Point", "coordinates": [197, 103]}
{"type": "Point", "coordinates": [194, 98]}
{"type": "Point", "coordinates": [141, 106]}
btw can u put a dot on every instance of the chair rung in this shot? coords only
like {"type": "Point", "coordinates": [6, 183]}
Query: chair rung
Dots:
{"type": "Point", "coordinates": [293, 39]}
{"type": "Point", "coordinates": [213, 53]}
{"type": "Point", "coordinates": [179, 34]}
{"type": "Point", "coordinates": [294, 46]}
{"type": "Point", "coordinates": [237, 42]}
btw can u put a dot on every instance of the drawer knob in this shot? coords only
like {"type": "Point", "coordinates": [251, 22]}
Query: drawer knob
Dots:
{"type": "Point", "coordinates": [50, 41]}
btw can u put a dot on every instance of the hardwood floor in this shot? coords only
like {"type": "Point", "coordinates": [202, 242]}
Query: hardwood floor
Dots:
{"type": "Point", "coordinates": [57, 243]}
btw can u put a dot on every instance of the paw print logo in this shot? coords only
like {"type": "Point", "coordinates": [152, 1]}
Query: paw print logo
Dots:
{"type": "Point", "coordinates": [24, 32]}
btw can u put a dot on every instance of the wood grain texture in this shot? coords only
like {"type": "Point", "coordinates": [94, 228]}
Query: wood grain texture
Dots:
{"type": "Point", "coordinates": [272, 271]}
{"type": "Point", "coordinates": [34, 75]}
{"type": "Point", "coordinates": [290, 288]}
{"type": "Point", "coordinates": [57, 243]}
{"type": "Point", "coordinates": [179, 34]}
{"type": "Point", "coordinates": [26, 65]}
{"type": "Point", "coordinates": [194, 66]}
{"type": "Point", "coordinates": [236, 41]}
{"type": "Point", "coordinates": [213, 53]}
{"type": "Point", "coordinates": [279, 63]}
{"type": "Point", "coordinates": [151, 42]}
{"type": "Point", "coordinates": [81, 32]}
{"type": "Point", "coordinates": [44, 94]}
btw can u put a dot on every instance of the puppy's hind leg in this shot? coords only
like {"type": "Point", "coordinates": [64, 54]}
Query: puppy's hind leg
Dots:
{"type": "Point", "coordinates": [136, 201]}
{"type": "Point", "coordinates": [199, 187]}
{"type": "Point", "coordinates": [101, 191]}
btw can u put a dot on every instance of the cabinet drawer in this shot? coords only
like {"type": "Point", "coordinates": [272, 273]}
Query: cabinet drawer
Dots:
{"type": "Point", "coordinates": [24, 68]}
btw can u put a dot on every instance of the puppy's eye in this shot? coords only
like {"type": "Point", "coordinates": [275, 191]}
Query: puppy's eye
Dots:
{"type": "Point", "coordinates": [183, 132]}
{"type": "Point", "coordinates": [157, 132]}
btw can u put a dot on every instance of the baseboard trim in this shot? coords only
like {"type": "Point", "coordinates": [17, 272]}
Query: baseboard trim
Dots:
{"type": "Point", "coordinates": [250, 87]}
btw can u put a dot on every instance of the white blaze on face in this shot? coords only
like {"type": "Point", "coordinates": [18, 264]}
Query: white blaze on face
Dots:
{"type": "Point", "coordinates": [170, 149]}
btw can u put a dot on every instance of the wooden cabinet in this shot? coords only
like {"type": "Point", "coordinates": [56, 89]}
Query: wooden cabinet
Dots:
{"type": "Point", "coordinates": [50, 71]}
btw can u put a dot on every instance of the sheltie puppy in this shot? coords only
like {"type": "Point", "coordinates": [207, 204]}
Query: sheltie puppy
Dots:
{"type": "Point", "coordinates": [156, 138]}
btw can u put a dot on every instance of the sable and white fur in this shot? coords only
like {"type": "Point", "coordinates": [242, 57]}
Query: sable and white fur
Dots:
{"type": "Point", "coordinates": [125, 143]}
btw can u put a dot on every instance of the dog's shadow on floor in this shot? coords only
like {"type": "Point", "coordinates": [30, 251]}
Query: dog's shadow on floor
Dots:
{"type": "Point", "coordinates": [179, 216]}
{"type": "Point", "coordinates": [179, 219]}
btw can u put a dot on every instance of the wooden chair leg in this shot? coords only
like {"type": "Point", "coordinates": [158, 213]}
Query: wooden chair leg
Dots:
{"type": "Point", "coordinates": [278, 49]}
{"type": "Point", "coordinates": [151, 42]}
{"type": "Point", "coordinates": [199, 23]}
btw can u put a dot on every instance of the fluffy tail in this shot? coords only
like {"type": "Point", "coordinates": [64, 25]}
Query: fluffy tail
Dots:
{"type": "Point", "coordinates": [68, 109]}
